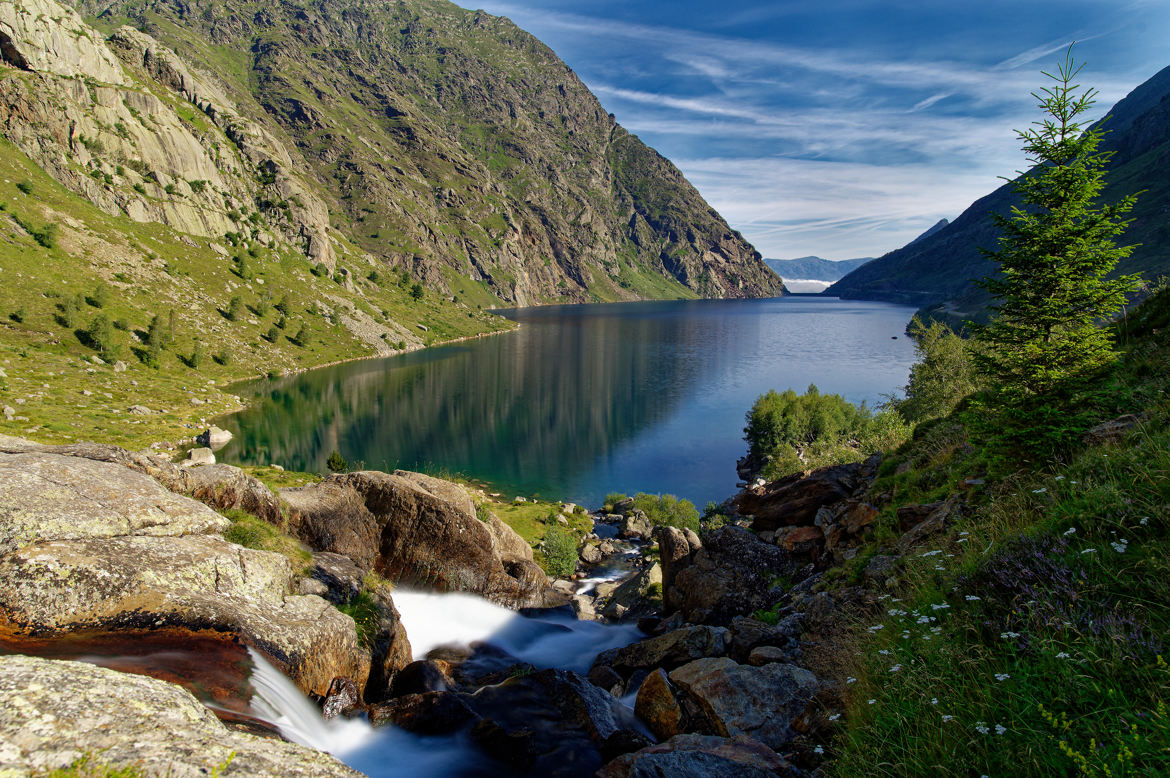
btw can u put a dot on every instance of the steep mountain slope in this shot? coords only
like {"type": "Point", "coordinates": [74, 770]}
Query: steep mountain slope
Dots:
{"type": "Point", "coordinates": [938, 272]}
{"type": "Point", "coordinates": [444, 142]}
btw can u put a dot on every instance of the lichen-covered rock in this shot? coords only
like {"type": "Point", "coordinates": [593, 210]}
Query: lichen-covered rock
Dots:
{"type": "Point", "coordinates": [194, 581]}
{"type": "Point", "coordinates": [735, 699]}
{"type": "Point", "coordinates": [658, 708]}
{"type": "Point", "coordinates": [55, 712]}
{"type": "Point", "coordinates": [413, 528]}
{"type": "Point", "coordinates": [52, 497]}
{"type": "Point", "coordinates": [701, 756]}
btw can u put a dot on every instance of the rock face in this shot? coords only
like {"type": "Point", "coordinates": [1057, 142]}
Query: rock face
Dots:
{"type": "Point", "coordinates": [55, 712]}
{"type": "Point", "coordinates": [544, 172]}
{"type": "Point", "coordinates": [794, 500]}
{"type": "Point", "coordinates": [413, 528]}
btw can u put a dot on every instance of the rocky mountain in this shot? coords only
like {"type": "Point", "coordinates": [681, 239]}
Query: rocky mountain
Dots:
{"type": "Point", "coordinates": [410, 136]}
{"type": "Point", "coordinates": [938, 271]}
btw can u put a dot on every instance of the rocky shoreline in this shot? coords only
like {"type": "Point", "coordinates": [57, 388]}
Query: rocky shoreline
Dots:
{"type": "Point", "coordinates": [735, 673]}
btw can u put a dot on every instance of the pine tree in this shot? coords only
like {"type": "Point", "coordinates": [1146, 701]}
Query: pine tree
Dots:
{"type": "Point", "coordinates": [1054, 255]}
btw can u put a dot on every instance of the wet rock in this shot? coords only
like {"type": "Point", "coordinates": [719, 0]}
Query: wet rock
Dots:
{"type": "Point", "coordinates": [590, 554]}
{"type": "Point", "coordinates": [213, 437]}
{"type": "Point", "coordinates": [736, 699]}
{"type": "Point", "coordinates": [429, 713]}
{"type": "Point", "coordinates": [413, 528]}
{"type": "Point", "coordinates": [422, 676]}
{"type": "Point", "coordinates": [195, 581]}
{"type": "Point", "coordinates": [701, 756]}
{"type": "Point", "coordinates": [343, 697]}
{"type": "Point", "coordinates": [638, 596]}
{"type": "Point", "coordinates": [657, 706]}
{"type": "Point", "coordinates": [552, 723]}
{"type": "Point", "coordinates": [129, 720]}
{"type": "Point", "coordinates": [605, 677]}
{"type": "Point", "coordinates": [389, 646]}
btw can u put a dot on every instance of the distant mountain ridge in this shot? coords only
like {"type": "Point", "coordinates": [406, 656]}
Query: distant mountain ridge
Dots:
{"type": "Point", "coordinates": [938, 272]}
{"type": "Point", "coordinates": [813, 268]}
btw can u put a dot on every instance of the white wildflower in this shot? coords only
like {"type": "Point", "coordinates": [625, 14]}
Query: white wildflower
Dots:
{"type": "Point", "coordinates": [895, 668]}
{"type": "Point", "coordinates": [1063, 655]}
{"type": "Point", "coordinates": [981, 728]}
{"type": "Point", "coordinates": [1000, 729]}
{"type": "Point", "coordinates": [947, 718]}
{"type": "Point", "coordinates": [972, 598]}
{"type": "Point", "coordinates": [876, 627]}
{"type": "Point", "coordinates": [1070, 531]}
{"type": "Point", "coordinates": [1041, 490]}
{"type": "Point", "coordinates": [1120, 545]}
{"type": "Point", "coordinates": [1089, 551]}
{"type": "Point", "coordinates": [834, 717]}
{"type": "Point", "coordinates": [884, 652]}
{"type": "Point", "coordinates": [850, 679]}
{"type": "Point", "coordinates": [1002, 677]}
{"type": "Point", "coordinates": [1009, 635]}
{"type": "Point", "coordinates": [819, 750]}
{"type": "Point", "coordinates": [934, 700]}
{"type": "Point", "coordinates": [940, 606]}
{"type": "Point", "coordinates": [871, 702]}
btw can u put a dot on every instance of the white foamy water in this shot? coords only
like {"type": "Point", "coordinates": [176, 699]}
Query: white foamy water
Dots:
{"type": "Point", "coordinates": [455, 619]}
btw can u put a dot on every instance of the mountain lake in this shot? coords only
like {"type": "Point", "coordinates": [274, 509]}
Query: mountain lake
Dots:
{"type": "Point", "coordinates": [581, 400]}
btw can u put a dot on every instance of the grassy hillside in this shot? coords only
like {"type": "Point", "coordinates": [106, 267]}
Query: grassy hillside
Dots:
{"type": "Point", "coordinates": [66, 389]}
{"type": "Point", "coordinates": [1028, 638]}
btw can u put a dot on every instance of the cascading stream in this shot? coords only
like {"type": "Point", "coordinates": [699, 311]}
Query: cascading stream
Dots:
{"type": "Point", "coordinates": [433, 620]}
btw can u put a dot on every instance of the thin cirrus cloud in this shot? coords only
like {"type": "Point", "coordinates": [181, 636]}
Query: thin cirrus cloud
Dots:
{"type": "Point", "coordinates": [835, 129]}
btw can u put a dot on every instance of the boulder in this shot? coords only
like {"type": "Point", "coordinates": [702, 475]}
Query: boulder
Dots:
{"type": "Point", "coordinates": [938, 519]}
{"type": "Point", "coordinates": [552, 723]}
{"type": "Point", "coordinates": [390, 650]}
{"type": "Point", "coordinates": [638, 596]}
{"type": "Point", "coordinates": [197, 581]}
{"type": "Point", "coordinates": [735, 699]}
{"type": "Point", "coordinates": [590, 554]}
{"type": "Point", "coordinates": [676, 549]}
{"type": "Point", "coordinates": [733, 573]}
{"type": "Point", "coordinates": [636, 524]}
{"type": "Point", "coordinates": [55, 712]}
{"type": "Point", "coordinates": [1112, 432]}
{"type": "Point", "coordinates": [343, 697]}
{"type": "Point", "coordinates": [668, 650]}
{"type": "Point", "coordinates": [224, 486]}
{"type": "Point", "coordinates": [428, 713]}
{"type": "Point", "coordinates": [419, 677]}
{"type": "Point", "coordinates": [213, 437]}
{"type": "Point", "coordinates": [795, 500]}
{"type": "Point", "coordinates": [200, 456]}
{"type": "Point", "coordinates": [701, 756]}
{"type": "Point", "coordinates": [341, 577]}
{"type": "Point", "coordinates": [415, 529]}
{"type": "Point", "coordinates": [47, 496]}
{"type": "Point", "coordinates": [658, 708]}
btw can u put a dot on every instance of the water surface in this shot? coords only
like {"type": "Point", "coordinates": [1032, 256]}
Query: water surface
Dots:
{"type": "Point", "coordinates": [583, 399]}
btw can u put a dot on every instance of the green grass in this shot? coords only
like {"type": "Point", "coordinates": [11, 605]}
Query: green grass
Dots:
{"type": "Point", "coordinates": [251, 532]}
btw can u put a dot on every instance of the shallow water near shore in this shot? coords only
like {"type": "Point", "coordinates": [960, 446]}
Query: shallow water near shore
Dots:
{"type": "Point", "coordinates": [583, 399]}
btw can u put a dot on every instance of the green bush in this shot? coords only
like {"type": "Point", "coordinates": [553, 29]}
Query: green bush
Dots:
{"type": "Point", "coordinates": [612, 499]}
{"type": "Point", "coordinates": [560, 552]}
{"type": "Point", "coordinates": [25, 186]}
{"type": "Point", "coordinates": [100, 337]}
{"type": "Point", "coordinates": [235, 308]}
{"type": "Point", "coordinates": [336, 462]}
{"type": "Point", "coordinates": [18, 315]}
{"type": "Point", "coordinates": [45, 235]}
{"type": "Point", "coordinates": [944, 374]}
{"type": "Point", "coordinates": [668, 510]}
{"type": "Point", "coordinates": [99, 297]}
{"type": "Point", "coordinates": [788, 433]}
{"type": "Point", "coordinates": [416, 291]}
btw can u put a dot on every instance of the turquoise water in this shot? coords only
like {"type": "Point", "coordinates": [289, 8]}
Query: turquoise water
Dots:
{"type": "Point", "coordinates": [583, 399]}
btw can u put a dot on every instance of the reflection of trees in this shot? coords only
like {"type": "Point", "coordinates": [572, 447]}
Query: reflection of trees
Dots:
{"type": "Point", "coordinates": [525, 409]}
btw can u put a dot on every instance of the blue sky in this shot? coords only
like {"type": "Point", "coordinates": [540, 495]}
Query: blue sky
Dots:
{"type": "Point", "coordinates": [840, 128]}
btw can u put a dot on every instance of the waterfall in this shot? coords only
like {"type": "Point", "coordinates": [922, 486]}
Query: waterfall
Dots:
{"type": "Point", "coordinates": [432, 620]}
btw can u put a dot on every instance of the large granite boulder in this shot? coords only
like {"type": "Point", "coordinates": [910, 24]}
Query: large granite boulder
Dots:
{"type": "Point", "coordinates": [56, 712]}
{"type": "Point", "coordinates": [52, 497]}
{"type": "Point", "coordinates": [731, 699]}
{"type": "Point", "coordinates": [197, 581]}
{"type": "Point", "coordinates": [701, 756]}
{"type": "Point", "coordinates": [415, 529]}
{"type": "Point", "coordinates": [669, 650]}
{"type": "Point", "coordinates": [86, 542]}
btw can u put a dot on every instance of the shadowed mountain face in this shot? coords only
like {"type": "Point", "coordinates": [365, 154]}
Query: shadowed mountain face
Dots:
{"type": "Point", "coordinates": [444, 142]}
{"type": "Point", "coordinates": [938, 271]}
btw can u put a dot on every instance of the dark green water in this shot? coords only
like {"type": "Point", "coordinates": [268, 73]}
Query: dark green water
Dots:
{"type": "Point", "coordinates": [584, 399]}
